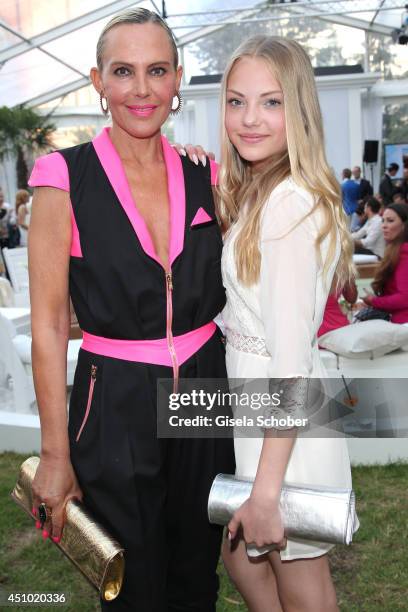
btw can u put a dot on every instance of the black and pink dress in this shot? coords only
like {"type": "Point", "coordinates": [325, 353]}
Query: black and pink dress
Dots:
{"type": "Point", "coordinates": [141, 323]}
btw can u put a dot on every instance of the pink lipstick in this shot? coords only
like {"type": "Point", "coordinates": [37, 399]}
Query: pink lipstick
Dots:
{"type": "Point", "coordinates": [252, 138]}
{"type": "Point", "coordinates": [142, 110]}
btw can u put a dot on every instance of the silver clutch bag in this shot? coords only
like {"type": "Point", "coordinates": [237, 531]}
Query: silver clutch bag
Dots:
{"type": "Point", "coordinates": [323, 514]}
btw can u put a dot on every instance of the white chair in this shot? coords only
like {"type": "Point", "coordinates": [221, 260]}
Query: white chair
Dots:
{"type": "Point", "coordinates": [17, 388]}
{"type": "Point", "coordinates": [22, 345]}
{"type": "Point", "coordinates": [6, 293]}
{"type": "Point", "coordinates": [19, 317]}
{"type": "Point", "coordinates": [17, 266]}
{"type": "Point", "coordinates": [16, 375]}
{"type": "Point", "coordinates": [359, 259]}
{"type": "Point", "coordinates": [16, 261]}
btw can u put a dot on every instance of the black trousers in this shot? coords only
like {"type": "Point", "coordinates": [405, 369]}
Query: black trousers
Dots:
{"type": "Point", "coordinates": [151, 494]}
{"type": "Point", "coordinates": [360, 250]}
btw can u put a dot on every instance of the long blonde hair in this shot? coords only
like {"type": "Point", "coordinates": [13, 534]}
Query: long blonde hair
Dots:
{"type": "Point", "coordinates": [304, 160]}
{"type": "Point", "coordinates": [22, 197]}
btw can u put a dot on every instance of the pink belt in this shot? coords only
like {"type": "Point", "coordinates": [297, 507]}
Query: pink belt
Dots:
{"type": "Point", "coordinates": [150, 351]}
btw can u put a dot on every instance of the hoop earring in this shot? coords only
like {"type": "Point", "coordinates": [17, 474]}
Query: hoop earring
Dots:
{"type": "Point", "coordinates": [105, 109]}
{"type": "Point", "coordinates": [176, 108]}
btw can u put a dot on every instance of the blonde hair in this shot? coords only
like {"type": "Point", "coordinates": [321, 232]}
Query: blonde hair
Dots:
{"type": "Point", "coordinates": [137, 16]}
{"type": "Point", "coordinates": [22, 197]}
{"type": "Point", "coordinates": [304, 160]}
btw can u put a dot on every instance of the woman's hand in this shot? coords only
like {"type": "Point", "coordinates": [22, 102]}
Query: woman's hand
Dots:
{"type": "Point", "coordinates": [195, 153]}
{"type": "Point", "coordinates": [368, 298]}
{"type": "Point", "coordinates": [54, 484]}
{"type": "Point", "coordinates": [261, 523]}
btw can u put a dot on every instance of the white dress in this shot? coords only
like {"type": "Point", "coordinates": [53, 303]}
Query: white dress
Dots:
{"type": "Point", "coordinates": [23, 231]}
{"type": "Point", "coordinates": [283, 312]}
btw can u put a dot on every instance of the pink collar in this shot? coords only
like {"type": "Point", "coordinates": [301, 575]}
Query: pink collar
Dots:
{"type": "Point", "coordinates": [113, 167]}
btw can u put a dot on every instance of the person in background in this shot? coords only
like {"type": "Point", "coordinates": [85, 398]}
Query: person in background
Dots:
{"type": "Point", "coordinates": [334, 317]}
{"type": "Point", "coordinates": [6, 217]}
{"type": "Point", "coordinates": [365, 186]}
{"type": "Point", "coordinates": [404, 184]}
{"type": "Point", "coordinates": [350, 193]}
{"type": "Point", "coordinates": [390, 284]}
{"type": "Point", "coordinates": [358, 219]}
{"type": "Point", "coordinates": [380, 199]}
{"type": "Point", "coordinates": [387, 187]}
{"type": "Point", "coordinates": [398, 197]}
{"type": "Point", "coordinates": [369, 240]}
{"type": "Point", "coordinates": [22, 199]}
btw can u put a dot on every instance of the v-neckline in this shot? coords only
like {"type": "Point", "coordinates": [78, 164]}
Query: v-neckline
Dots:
{"type": "Point", "coordinates": [114, 170]}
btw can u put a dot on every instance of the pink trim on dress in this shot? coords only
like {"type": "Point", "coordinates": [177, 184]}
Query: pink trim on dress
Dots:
{"type": "Point", "coordinates": [177, 198]}
{"type": "Point", "coordinates": [51, 171]}
{"type": "Point", "coordinates": [115, 172]}
{"type": "Point", "coordinates": [89, 402]}
{"type": "Point", "coordinates": [214, 172]}
{"type": "Point", "coordinates": [201, 216]}
{"type": "Point", "coordinates": [76, 250]}
{"type": "Point", "coordinates": [150, 351]}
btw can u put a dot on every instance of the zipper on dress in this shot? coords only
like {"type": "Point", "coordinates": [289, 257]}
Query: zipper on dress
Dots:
{"type": "Point", "coordinates": [169, 333]}
{"type": "Point", "coordinates": [94, 369]}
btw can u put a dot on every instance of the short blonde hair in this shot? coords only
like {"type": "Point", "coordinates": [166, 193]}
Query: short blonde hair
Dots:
{"type": "Point", "coordinates": [304, 160]}
{"type": "Point", "coordinates": [22, 196]}
{"type": "Point", "coordinates": [137, 16]}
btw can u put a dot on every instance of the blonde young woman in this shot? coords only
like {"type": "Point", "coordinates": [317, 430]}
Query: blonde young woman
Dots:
{"type": "Point", "coordinates": [286, 243]}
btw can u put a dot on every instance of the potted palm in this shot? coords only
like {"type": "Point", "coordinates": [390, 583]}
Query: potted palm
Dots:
{"type": "Point", "coordinates": [23, 132]}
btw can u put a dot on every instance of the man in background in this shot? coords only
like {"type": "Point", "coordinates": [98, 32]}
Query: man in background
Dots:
{"type": "Point", "coordinates": [6, 218]}
{"type": "Point", "coordinates": [365, 186]}
{"type": "Point", "coordinates": [403, 188]}
{"type": "Point", "coordinates": [350, 193]}
{"type": "Point", "coordinates": [398, 197]}
{"type": "Point", "coordinates": [387, 187]}
{"type": "Point", "coordinates": [369, 240]}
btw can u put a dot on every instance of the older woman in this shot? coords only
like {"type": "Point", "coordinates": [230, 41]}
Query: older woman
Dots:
{"type": "Point", "coordinates": [146, 289]}
{"type": "Point", "coordinates": [391, 281]}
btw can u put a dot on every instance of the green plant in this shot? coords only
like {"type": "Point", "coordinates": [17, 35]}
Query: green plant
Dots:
{"type": "Point", "coordinates": [370, 575]}
{"type": "Point", "coordinates": [23, 132]}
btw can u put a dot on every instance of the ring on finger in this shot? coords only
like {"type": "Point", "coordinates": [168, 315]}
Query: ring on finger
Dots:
{"type": "Point", "coordinates": [44, 513]}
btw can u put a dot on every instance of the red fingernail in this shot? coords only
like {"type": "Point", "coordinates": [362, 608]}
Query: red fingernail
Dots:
{"type": "Point", "coordinates": [37, 524]}
{"type": "Point", "coordinates": [45, 534]}
{"type": "Point", "coordinates": [56, 539]}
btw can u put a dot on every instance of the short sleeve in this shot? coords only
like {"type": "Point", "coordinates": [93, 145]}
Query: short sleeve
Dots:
{"type": "Point", "coordinates": [50, 171]}
{"type": "Point", "coordinates": [214, 172]}
{"type": "Point", "coordinates": [288, 279]}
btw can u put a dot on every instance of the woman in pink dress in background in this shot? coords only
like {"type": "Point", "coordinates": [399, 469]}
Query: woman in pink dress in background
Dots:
{"type": "Point", "coordinates": [334, 317]}
{"type": "Point", "coordinates": [391, 281]}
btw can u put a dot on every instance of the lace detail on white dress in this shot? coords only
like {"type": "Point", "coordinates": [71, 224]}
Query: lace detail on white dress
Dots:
{"type": "Point", "coordinates": [248, 344]}
{"type": "Point", "coordinates": [281, 314]}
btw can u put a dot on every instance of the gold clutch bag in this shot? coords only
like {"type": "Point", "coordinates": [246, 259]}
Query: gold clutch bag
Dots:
{"type": "Point", "coordinates": [88, 545]}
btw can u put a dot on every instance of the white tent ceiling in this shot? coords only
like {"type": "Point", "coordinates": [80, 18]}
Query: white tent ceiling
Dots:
{"type": "Point", "coordinates": [48, 46]}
